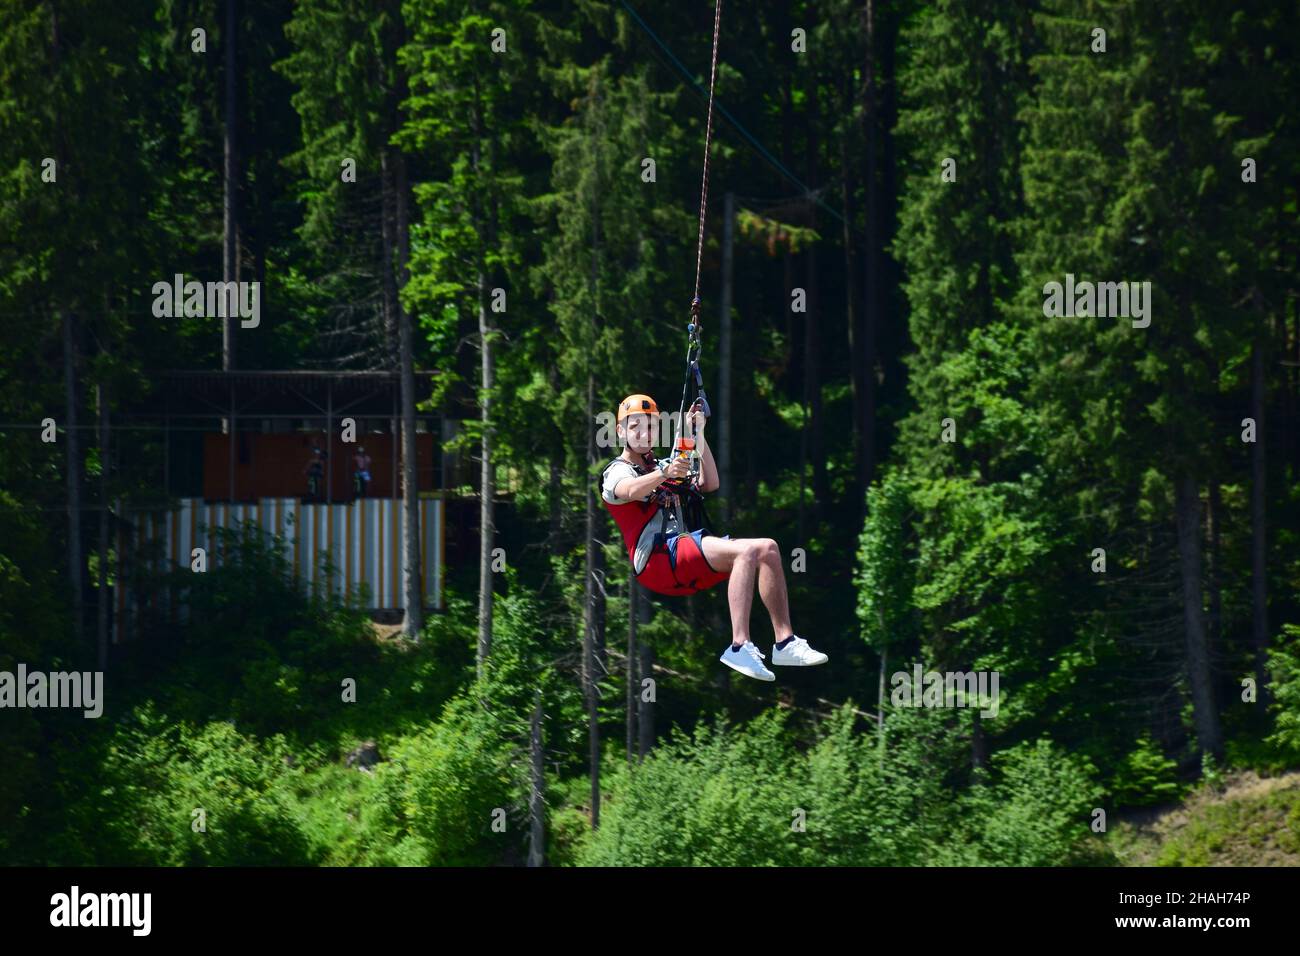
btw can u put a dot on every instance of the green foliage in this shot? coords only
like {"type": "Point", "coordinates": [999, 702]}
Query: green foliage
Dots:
{"type": "Point", "coordinates": [718, 797]}
{"type": "Point", "coordinates": [730, 797]}
{"type": "Point", "coordinates": [881, 799]}
{"type": "Point", "coordinates": [568, 820]}
{"type": "Point", "coordinates": [963, 78]}
{"type": "Point", "coordinates": [440, 789]}
{"type": "Point", "coordinates": [1211, 772]}
{"type": "Point", "coordinates": [1146, 776]}
{"type": "Point", "coordinates": [525, 175]}
{"type": "Point", "coordinates": [257, 647]}
{"type": "Point", "coordinates": [1284, 684]}
{"type": "Point", "coordinates": [884, 576]}
{"type": "Point", "coordinates": [980, 541]}
{"type": "Point", "coordinates": [1036, 813]}
{"type": "Point", "coordinates": [156, 772]}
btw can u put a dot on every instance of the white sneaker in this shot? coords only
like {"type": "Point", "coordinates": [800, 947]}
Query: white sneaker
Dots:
{"type": "Point", "coordinates": [797, 654]}
{"type": "Point", "coordinates": [747, 659]}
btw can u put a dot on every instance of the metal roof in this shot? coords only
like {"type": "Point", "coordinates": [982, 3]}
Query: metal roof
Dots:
{"type": "Point", "coordinates": [305, 392]}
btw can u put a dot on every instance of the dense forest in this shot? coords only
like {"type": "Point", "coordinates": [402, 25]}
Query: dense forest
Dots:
{"type": "Point", "coordinates": [1000, 325]}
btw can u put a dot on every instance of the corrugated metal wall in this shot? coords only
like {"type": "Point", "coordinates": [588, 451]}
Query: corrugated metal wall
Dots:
{"type": "Point", "coordinates": [361, 540]}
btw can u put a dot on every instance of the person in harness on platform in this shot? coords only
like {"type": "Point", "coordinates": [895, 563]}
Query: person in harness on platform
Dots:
{"type": "Point", "coordinates": [657, 506]}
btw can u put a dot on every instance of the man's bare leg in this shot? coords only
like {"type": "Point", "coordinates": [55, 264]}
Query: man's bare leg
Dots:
{"type": "Point", "coordinates": [748, 559]}
{"type": "Point", "coordinates": [740, 594]}
{"type": "Point", "coordinates": [771, 588]}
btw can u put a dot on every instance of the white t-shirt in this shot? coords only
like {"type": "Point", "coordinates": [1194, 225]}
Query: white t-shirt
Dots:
{"type": "Point", "coordinates": [615, 472]}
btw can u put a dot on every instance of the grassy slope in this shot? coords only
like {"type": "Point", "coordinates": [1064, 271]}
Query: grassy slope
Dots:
{"type": "Point", "coordinates": [1250, 821]}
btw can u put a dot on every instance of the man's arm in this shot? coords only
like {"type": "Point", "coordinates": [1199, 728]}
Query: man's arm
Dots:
{"type": "Point", "coordinates": [634, 489]}
{"type": "Point", "coordinates": [641, 485]}
{"type": "Point", "coordinates": [709, 480]}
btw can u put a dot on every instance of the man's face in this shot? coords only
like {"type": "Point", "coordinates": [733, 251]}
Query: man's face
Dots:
{"type": "Point", "coordinates": [638, 432]}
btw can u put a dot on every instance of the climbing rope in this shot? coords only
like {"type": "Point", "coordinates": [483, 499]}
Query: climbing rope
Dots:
{"type": "Point", "coordinates": [704, 186]}
{"type": "Point", "coordinates": [693, 329]}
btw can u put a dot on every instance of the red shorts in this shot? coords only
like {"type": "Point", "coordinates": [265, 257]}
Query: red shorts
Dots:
{"type": "Point", "coordinates": [678, 567]}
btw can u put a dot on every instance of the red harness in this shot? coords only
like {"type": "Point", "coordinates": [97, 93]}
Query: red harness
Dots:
{"type": "Point", "coordinates": [672, 560]}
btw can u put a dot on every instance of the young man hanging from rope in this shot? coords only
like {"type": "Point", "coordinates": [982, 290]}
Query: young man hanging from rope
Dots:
{"type": "Point", "coordinates": [656, 505]}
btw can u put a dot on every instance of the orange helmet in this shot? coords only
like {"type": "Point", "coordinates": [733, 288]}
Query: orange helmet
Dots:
{"type": "Point", "coordinates": [635, 404]}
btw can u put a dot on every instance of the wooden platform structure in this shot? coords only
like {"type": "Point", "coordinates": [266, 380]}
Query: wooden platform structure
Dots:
{"type": "Point", "coordinates": [258, 429]}
{"type": "Point", "coordinates": [235, 446]}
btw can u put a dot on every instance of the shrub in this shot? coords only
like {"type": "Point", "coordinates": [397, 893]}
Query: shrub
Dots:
{"type": "Point", "coordinates": [1146, 776]}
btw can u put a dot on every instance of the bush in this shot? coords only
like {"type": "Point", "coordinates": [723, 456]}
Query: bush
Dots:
{"type": "Point", "coordinates": [1036, 813]}
{"type": "Point", "coordinates": [730, 796]}
{"type": "Point", "coordinates": [157, 772]}
{"type": "Point", "coordinates": [1146, 776]}
{"type": "Point", "coordinates": [441, 788]}
{"type": "Point", "coordinates": [1284, 678]}
{"type": "Point", "coordinates": [719, 797]}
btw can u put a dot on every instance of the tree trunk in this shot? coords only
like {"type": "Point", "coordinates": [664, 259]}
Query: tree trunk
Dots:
{"type": "Point", "coordinates": [1258, 525]}
{"type": "Point", "coordinates": [392, 41]}
{"type": "Point", "coordinates": [1188, 515]}
{"type": "Point", "coordinates": [105, 468]}
{"type": "Point", "coordinates": [230, 209]}
{"type": "Point", "coordinates": [723, 453]}
{"type": "Point", "coordinates": [631, 667]}
{"type": "Point", "coordinates": [787, 263]}
{"type": "Point", "coordinates": [487, 477]}
{"type": "Point", "coordinates": [487, 483]}
{"type": "Point", "coordinates": [787, 99]}
{"type": "Point", "coordinates": [598, 592]}
{"type": "Point", "coordinates": [555, 523]}
{"type": "Point", "coordinates": [594, 550]}
{"type": "Point", "coordinates": [645, 717]}
{"type": "Point", "coordinates": [388, 247]}
{"type": "Point", "coordinates": [411, 578]}
{"type": "Point", "coordinates": [1294, 391]}
{"type": "Point", "coordinates": [71, 360]}
{"type": "Point", "coordinates": [1214, 517]}
{"type": "Point", "coordinates": [856, 365]}
{"type": "Point", "coordinates": [979, 748]}
{"type": "Point", "coordinates": [392, 336]}
{"type": "Point", "coordinates": [751, 475]}
{"type": "Point", "coordinates": [589, 662]}
{"type": "Point", "coordinates": [76, 567]}
{"type": "Point", "coordinates": [537, 789]}
{"type": "Point", "coordinates": [880, 704]}
{"type": "Point", "coordinates": [812, 378]}
{"type": "Point", "coordinates": [870, 300]}
{"type": "Point", "coordinates": [556, 468]}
